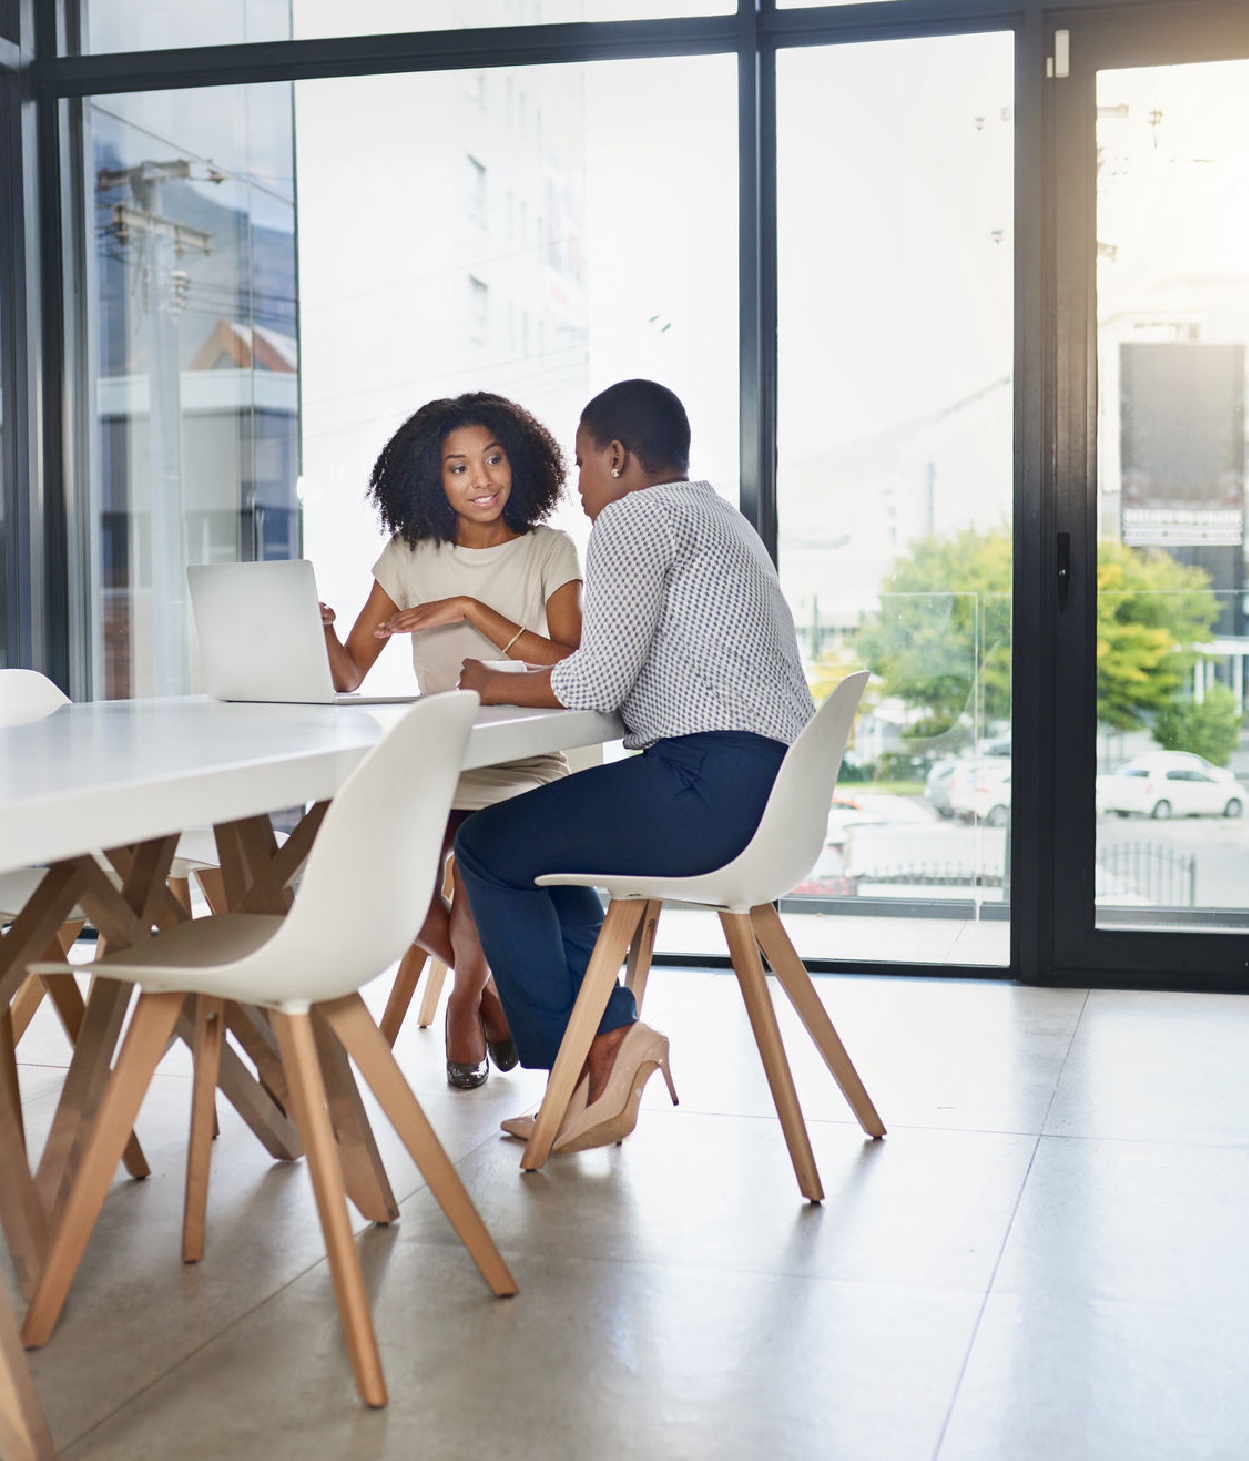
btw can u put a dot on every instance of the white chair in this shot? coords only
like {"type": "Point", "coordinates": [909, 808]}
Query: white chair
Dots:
{"type": "Point", "coordinates": [782, 851]}
{"type": "Point", "coordinates": [369, 876]}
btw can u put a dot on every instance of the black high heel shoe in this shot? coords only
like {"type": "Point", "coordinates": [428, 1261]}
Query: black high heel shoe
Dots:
{"type": "Point", "coordinates": [466, 1076]}
{"type": "Point", "coordinates": [502, 1052]}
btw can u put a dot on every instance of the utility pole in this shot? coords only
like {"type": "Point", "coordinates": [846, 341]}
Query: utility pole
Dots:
{"type": "Point", "coordinates": [158, 246]}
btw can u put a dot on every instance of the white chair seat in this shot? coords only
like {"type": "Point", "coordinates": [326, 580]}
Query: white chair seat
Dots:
{"type": "Point", "coordinates": [197, 847]}
{"type": "Point", "coordinates": [782, 851]}
{"type": "Point", "coordinates": [17, 888]}
{"type": "Point", "coordinates": [204, 956]}
{"type": "Point", "coordinates": [703, 892]}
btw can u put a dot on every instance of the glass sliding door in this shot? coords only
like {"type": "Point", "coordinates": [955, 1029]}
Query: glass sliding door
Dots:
{"type": "Point", "coordinates": [1172, 329]}
{"type": "Point", "coordinates": [1154, 253]}
{"type": "Point", "coordinates": [895, 207]}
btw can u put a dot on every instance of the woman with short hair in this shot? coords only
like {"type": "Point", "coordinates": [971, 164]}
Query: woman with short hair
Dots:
{"type": "Point", "coordinates": [687, 636]}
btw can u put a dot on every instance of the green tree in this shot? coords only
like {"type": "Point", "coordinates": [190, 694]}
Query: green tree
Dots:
{"type": "Point", "coordinates": [944, 609]}
{"type": "Point", "coordinates": [1152, 612]}
{"type": "Point", "coordinates": [1211, 728]}
{"type": "Point", "coordinates": [941, 639]}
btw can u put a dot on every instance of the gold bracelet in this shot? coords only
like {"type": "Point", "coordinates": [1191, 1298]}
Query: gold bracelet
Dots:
{"type": "Point", "coordinates": [513, 639]}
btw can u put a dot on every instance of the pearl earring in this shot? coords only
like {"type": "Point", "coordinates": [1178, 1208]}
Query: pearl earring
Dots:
{"type": "Point", "coordinates": [615, 471]}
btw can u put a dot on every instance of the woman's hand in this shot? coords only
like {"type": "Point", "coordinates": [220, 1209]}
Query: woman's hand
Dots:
{"type": "Point", "coordinates": [327, 616]}
{"type": "Point", "coordinates": [425, 616]}
{"type": "Point", "coordinates": [503, 687]}
{"type": "Point", "coordinates": [475, 676]}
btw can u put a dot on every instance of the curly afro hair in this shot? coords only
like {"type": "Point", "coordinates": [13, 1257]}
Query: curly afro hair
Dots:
{"type": "Point", "coordinates": [406, 482]}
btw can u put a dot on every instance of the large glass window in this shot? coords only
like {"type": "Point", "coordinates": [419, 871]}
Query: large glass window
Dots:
{"type": "Point", "coordinates": [541, 258]}
{"type": "Point", "coordinates": [192, 360]}
{"type": "Point", "coordinates": [140, 25]}
{"type": "Point", "coordinates": [895, 207]}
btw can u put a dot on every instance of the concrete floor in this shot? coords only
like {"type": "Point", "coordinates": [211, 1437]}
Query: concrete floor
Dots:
{"type": "Point", "coordinates": [1044, 1261]}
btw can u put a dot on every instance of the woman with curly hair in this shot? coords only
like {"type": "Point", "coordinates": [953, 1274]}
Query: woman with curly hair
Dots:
{"type": "Point", "coordinates": [470, 572]}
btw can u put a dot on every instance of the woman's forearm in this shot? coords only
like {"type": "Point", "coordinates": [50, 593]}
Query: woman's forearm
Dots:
{"type": "Point", "coordinates": [530, 689]}
{"type": "Point", "coordinates": [513, 640]}
{"type": "Point", "coordinates": [346, 673]}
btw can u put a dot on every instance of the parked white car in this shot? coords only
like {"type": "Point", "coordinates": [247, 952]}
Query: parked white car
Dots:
{"type": "Point", "coordinates": [1170, 784]}
{"type": "Point", "coordinates": [981, 789]}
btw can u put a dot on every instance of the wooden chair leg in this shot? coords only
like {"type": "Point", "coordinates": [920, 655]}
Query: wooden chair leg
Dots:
{"type": "Point", "coordinates": [744, 952]}
{"type": "Point", "coordinates": [23, 1430]}
{"type": "Point", "coordinates": [791, 973]}
{"type": "Point", "coordinates": [401, 992]}
{"type": "Point", "coordinates": [435, 978]}
{"type": "Point", "coordinates": [146, 1040]}
{"type": "Point", "coordinates": [623, 917]}
{"type": "Point", "coordinates": [642, 950]}
{"type": "Point", "coordinates": [299, 1055]}
{"type": "Point", "coordinates": [206, 1053]}
{"type": "Point", "coordinates": [367, 1046]}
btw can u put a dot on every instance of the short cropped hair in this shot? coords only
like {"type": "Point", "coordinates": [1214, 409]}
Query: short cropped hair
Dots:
{"type": "Point", "coordinates": [406, 482]}
{"type": "Point", "coordinates": [646, 418]}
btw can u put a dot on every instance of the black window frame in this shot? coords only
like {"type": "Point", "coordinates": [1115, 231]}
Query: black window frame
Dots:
{"type": "Point", "coordinates": [51, 75]}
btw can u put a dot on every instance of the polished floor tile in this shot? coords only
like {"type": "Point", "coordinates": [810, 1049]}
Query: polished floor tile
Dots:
{"type": "Point", "coordinates": [1041, 1262]}
{"type": "Point", "coordinates": [591, 1359]}
{"type": "Point", "coordinates": [1049, 1380]}
{"type": "Point", "coordinates": [1154, 1222]}
{"type": "Point", "coordinates": [1158, 1067]}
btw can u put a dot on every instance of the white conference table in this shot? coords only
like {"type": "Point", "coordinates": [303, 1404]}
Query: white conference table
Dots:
{"type": "Point", "coordinates": [115, 772]}
{"type": "Point", "coordinates": [128, 777]}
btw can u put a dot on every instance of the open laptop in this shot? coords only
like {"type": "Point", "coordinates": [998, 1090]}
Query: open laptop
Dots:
{"type": "Point", "coordinates": [260, 635]}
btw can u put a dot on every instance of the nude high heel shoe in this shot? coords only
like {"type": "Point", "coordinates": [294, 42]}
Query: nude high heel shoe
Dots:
{"type": "Point", "coordinates": [522, 1126]}
{"type": "Point", "coordinates": [614, 1115]}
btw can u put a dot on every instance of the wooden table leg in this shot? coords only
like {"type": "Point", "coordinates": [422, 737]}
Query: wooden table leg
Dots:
{"type": "Point", "coordinates": [84, 1082]}
{"type": "Point", "coordinates": [23, 1430]}
{"type": "Point", "coordinates": [363, 1173]}
{"type": "Point", "coordinates": [256, 873]}
{"type": "Point", "coordinates": [209, 1030]}
{"type": "Point", "coordinates": [21, 1212]}
{"type": "Point", "coordinates": [260, 1107]}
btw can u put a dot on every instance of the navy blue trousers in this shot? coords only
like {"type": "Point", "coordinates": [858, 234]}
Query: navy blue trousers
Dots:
{"type": "Point", "coordinates": [684, 806]}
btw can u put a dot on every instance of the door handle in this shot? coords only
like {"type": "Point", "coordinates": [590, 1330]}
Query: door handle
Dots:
{"type": "Point", "coordinates": [1064, 570]}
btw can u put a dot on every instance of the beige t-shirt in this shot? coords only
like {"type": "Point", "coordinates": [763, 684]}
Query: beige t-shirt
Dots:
{"type": "Point", "coordinates": [516, 579]}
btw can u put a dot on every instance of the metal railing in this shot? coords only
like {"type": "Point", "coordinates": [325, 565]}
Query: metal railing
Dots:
{"type": "Point", "coordinates": [1146, 871]}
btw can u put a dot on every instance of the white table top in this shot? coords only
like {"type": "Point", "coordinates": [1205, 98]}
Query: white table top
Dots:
{"type": "Point", "coordinates": [110, 772]}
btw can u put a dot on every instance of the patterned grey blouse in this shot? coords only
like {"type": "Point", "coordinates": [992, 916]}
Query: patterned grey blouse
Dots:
{"type": "Point", "coordinates": [685, 628]}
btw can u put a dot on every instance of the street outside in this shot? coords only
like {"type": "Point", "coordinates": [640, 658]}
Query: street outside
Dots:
{"type": "Point", "coordinates": [875, 839]}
